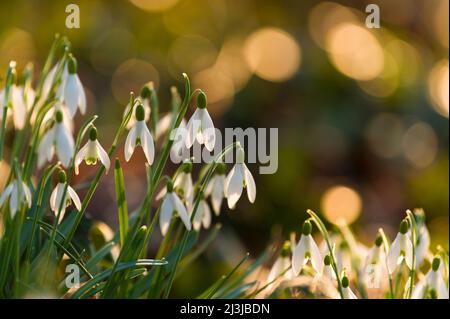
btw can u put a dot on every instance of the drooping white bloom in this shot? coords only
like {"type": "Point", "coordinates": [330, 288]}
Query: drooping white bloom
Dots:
{"type": "Point", "coordinates": [433, 284]}
{"type": "Point", "coordinates": [20, 102]}
{"type": "Point", "coordinates": [346, 290]}
{"type": "Point", "coordinates": [71, 91]}
{"type": "Point", "coordinates": [57, 194]}
{"type": "Point", "coordinates": [216, 187]}
{"type": "Point", "coordinates": [67, 120]}
{"type": "Point", "coordinates": [374, 270]}
{"type": "Point", "coordinates": [306, 250]}
{"type": "Point", "coordinates": [202, 216]}
{"type": "Point", "coordinates": [401, 249]}
{"type": "Point", "coordinates": [423, 237]}
{"type": "Point", "coordinates": [200, 126]}
{"type": "Point", "coordinates": [18, 193]}
{"type": "Point", "coordinates": [140, 135]}
{"type": "Point", "coordinates": [183, 184]}
{"type": "Point", "coordinates": [92, 151]}
{"type": "Point", "coordinates": [281, 269]}
{"type": "Point", "coordinates": [328, 275]}
{"type": "Point", "coordinates": [58, 139]}
{"type": "Point", "coordinates": [238, 178]}
{"type": "Point", "coordinates": [172, 203]}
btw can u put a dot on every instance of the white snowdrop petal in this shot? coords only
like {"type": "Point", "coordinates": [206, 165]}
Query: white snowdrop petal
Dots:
{"type": "Point", "coordinates": [71, 94]}
{"type": "Point", "coordinates": [27, 194]}
{"type": "Point", "coordinates": [53, 199]}
{"type": "Point", "coordinates": [394, 253]}
{"type": "Point", "coordinates": [74, 196]}
{"type": "Point", "coordinates": [6, 193]}
{"type": "Point", "coordinates": [298, 256]}
{"type": "Point", "coordinates": [181, 211]}
{"type": "Point", "coordinates": [82, 96]}
{"type": "Point", "coordinates": [408, 251]}
{"type": "Point", "coordinates": [19, 108]}
{"type": "Point", "coordinates": [192, 129]}
{"type": "Point", "coordinates": [147, 144]}
{"type": "Point", "coordinates": [167, 209]}
{"type": "Point", "coordinates": [206, 216]}
{"type": "Point", "coordinates": [250, 184]}
{"type": "Point", "coordinates": [80, 156]}
{"type": "Point", "coordinates": [234, 186]}
{"type": "Point", "coordinates": [316, 257]}
{"type": "Point", "coordinates": [14, 200]}
{"type": "Point", "coordinates": [104, 158]}
{"type": "Point", "coordinates": [65, 147]}
{"type": "Point", "coordinates": [130, 143]}
{"type": "Point", "coordinates": [208, 131]}
{"type": "Point", "coordinates": [45, 147]}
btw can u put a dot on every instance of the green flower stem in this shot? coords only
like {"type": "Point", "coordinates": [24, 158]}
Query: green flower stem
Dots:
{"type": "Point", "coordinates": [325, 235]}
{"type": "Point", "coordinates": [413, 225]}
{"type": "Point", "coordinates": [194, 211]}
{"type": "Point", "coordinates": [386, 251]}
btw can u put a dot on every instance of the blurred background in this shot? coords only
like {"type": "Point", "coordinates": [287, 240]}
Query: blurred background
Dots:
{"type": "Point", "coordinates": [362, 113]}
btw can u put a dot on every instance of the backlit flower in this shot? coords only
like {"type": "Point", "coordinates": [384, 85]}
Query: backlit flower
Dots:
{"type": "Point", "coordinates": [216, 187]}
{"type": "Point", "coordinates": [91, 152]}
{"type": "Point", "coordinates": [172, 204]}
{"type": "Point", "coordinates": [202, 216]}
{"type": "Point", "coordinates": [71, 91]}
{"type": "Point", "coordinates": [239, 177]}
{"type": "Point", "coordinates": [200, 127]}
{"type": "Point", "coordinates": [69, 196]}
{"type": "Point", "coordinates": [306, 250]}
{"type": "Point", "coordinates": [433, 286]}
{"type": "Point", "coordinates": [401, 249]}
{"type": "Point", "coordinates": [18, 193]}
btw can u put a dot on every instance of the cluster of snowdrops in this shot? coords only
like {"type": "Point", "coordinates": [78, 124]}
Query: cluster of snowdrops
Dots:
{"type": "Point", "coordinates": [37, 125]}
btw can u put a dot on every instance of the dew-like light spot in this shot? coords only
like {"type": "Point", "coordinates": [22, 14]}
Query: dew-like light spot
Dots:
{"type": "Point", "coordinates": [341, 205]}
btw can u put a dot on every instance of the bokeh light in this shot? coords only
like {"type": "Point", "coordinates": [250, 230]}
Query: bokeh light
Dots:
{"type": "Point", "coordinates": [385, 135]}
{"type": "Point", "coordinates": [420, 145]}
{"type": "Point", "coordinates": [341, 205]}
{"type": "Point", "coordinates": [18, 45]}
{"type": "Point", "coordinates": [154, 5]}
{"type": "Point", "coordinates": [272, 54]}
{"type": "Point", "coordinates": [438, 87]}
{"type": "Point", "coordinates": [355, 51]}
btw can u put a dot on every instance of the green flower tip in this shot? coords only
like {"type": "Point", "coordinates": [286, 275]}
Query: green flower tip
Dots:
{"type": "Point", "coordinates": [327, 260]}
{"type": "Point", "coordinates": [307, 228]}
{"type": "Point", "coordinates": [436, 263]}
{"type": "Point", "coordinates": [221, 168]}
{"type": "Point", "coordinates": [146, 92]}
{"type": "Point", "coordinates": [169, 187]}
{"type": "Point", "coordinates": [117, 164]}
{"type": "Point", "coordinates": [59, 116]}
{"type": "Point", "coordinates": [404, 226]}
{"type": "Point", "coordinates": [286, 249]}
{"type": "Point", "coordinates": [72, 64]}
{"type": "Point", "coordinates": [187, 166]}
{"type": "Point", "coordinates": [345, 282]}
{"type": "Point", "coordinates": [93, 133]}
{"type": "Point", "coordinates": [201, 100]}
{"type": "Point", "coordinates": [62, 177]}
{"type": "Point", "coordinates": [378, 241]}
{"type": "Point", "coordinates": [140, 112]}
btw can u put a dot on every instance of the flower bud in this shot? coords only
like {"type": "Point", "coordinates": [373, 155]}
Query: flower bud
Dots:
{"type": "Point", "coordinates": [345, 282]}
{"type": "Point", "coordinates": [140, 112]}
{"type": "Point", "coordinates": [62, 177]}
{"type": "Point", "coordinates": [327, 260]}
{"type": "Point", "coordinates": [93, 133]}
{"type": "Point", "coordinates": [436, 263]}
{"type": "Point", "coordinates": [72, 64]}
{"type": "Point", "coordinates": [307, 228]}
{"type": "Point", "coordinates": [59, 116]}
{"type": "Point", "coordinates": [404, 226]}
{"type": "Point", "coordinates": [379, 241]}
{"type": "Point", "coordinates": [201, 100]}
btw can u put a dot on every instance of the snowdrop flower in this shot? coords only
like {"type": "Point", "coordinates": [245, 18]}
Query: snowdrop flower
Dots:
{"type": "Point", "coordinates": [172, 203]}
{"type": "Point", "coordinates": [56, 197]}
{"type": "Point", "coordinates": [423, 237]}
{"type": "Point", "coordinates": [347, 292]}
{"type": "Point", "coordinates": [200, 126]}
{"type": "Point", "coordinates": [58, 139]}
{"type": "Point", "coordinates": [183, 184]}
{"type": "Point", "coordinates": [238, 178]}
{"type": "Point", "coordinates": [433, 285]}
{"type": "Point", "coordinates": [18, 193]}
{"type": "Point", "coordinates": [68, 122]}
{"type": "Point", "coordinates": [281, 268]}
{"type": "Point", "coordinates": [216, 187]}
{"type": "Point", "coordinates": [20, 103]}
{"type": "Point", "coordinates": [140, 135]}
{"type": "Point", "coordinates": [401, 249]}
{"type": "Point", "coordinates": [202, 216]}
{"type": "Point", "coordinates": [306, 250]}
{"type": "Point", "coordinates": [72, 91]}
{"type": "Point", "coordinates": [92, 151]}
{"type": "Point", "coordinates": [327, 273]}
{"type": "Point", "coordinates": [374, 269]}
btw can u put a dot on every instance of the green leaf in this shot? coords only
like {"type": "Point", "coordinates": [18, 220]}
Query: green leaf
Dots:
{"type": "Point", "coordinates": [121, 202]}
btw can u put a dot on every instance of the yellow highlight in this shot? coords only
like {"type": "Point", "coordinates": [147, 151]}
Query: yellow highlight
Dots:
{"type": "Point", "coordinates": [341, 205]}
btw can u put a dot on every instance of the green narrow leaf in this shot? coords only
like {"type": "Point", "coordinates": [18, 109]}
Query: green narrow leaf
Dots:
{"type": "Point", "coordinates": [121, 202]}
